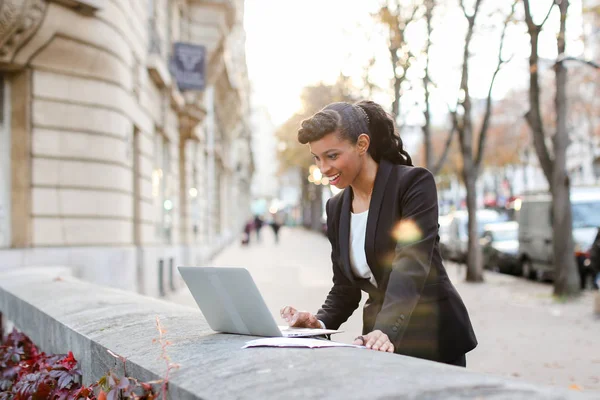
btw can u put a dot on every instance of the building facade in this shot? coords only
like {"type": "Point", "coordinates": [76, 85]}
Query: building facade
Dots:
{"type": "Point", "coordinates": [105, 165]}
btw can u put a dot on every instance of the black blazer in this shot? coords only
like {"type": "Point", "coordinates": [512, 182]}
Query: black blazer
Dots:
{"type": "Point", "coordinates": [414, 302]}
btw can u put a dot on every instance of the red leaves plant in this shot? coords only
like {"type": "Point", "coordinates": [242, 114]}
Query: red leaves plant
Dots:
{"type": "Point", "coordinates": [28, 374]}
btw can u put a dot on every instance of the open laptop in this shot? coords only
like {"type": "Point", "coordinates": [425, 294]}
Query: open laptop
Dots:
{"type": "Point", "coordinates": [231, 303]}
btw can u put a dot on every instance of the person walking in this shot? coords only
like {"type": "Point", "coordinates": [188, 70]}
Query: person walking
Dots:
{"type": "Point", "coordinates": [276, 225]}
{"type": "Point", "coordinates": [383, 230]}
{"type": "Point", "coordinates": [258, 224]}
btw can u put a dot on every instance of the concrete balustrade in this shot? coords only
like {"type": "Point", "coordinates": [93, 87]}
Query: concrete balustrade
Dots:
{"type": "Point", "coordinates": [61, 313]}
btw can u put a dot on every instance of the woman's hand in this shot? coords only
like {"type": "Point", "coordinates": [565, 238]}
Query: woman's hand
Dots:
{"type": "Point", "coordinates": [299, 319]}
{"type": "Point", "coordinates": [375, 340]}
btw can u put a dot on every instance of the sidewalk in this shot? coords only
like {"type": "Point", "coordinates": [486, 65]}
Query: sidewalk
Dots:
{"type": "Point", "coordinates": [522, 331]}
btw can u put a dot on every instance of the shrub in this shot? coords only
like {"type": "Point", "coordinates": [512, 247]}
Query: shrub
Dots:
{"type": "Point", "coordinates": [28, 374]}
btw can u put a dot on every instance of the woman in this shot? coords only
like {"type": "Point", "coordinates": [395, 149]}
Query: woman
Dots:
{"type": "Point", "coordinates": [383, 230]}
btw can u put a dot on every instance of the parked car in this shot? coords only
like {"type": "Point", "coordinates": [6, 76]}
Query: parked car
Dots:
{"type": "Point", "coordinates": [458, 238]}
{"type": "Point", "coordinates": [535, 233]}
{"type": "Point", "coordinates": [443, 232]}
{"type": "Point", "coordinates": [500, 247]}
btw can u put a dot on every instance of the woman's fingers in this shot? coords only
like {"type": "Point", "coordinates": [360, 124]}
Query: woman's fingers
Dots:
{"type": "Point", "coordinates": [359, 340]}
{"type": "Point", "coordinates": [300, 319]}
{"type": "Point", "coordinates": [381, 340]}
{"type": "Point", "coordinates": [378, 340]}
{"type": "Point", "coordinates": [288, 313]}
{"type": "Point", "coordinates": [370, 340]}
{"type": "Point", "coordinates": [387, 347]}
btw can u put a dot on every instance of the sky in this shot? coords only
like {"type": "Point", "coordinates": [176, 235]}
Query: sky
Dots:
{"type": "Point", "coordinates": [291, 44]}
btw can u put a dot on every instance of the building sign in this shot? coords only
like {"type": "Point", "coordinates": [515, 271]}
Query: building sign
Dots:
{"type": "Point", "coordinates": [188, 66]}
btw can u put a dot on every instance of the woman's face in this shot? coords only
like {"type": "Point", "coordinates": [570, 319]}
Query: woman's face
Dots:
{"type": "Point", "coordinates": [338, 159]}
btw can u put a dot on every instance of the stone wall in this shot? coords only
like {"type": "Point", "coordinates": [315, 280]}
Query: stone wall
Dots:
{"type": "Point", "coordinates": [90, 319]}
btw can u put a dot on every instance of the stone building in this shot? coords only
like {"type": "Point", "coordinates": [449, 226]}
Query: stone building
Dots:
{"type": "Point", "coordinates": [105, 165]}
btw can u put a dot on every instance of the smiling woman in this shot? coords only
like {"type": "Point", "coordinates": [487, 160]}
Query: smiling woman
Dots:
{"type": "Point", "coordinates": [383, 229]}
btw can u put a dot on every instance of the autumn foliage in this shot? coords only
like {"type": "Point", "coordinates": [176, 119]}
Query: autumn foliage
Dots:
{"type": "Point", "coordinates": [29, 374]}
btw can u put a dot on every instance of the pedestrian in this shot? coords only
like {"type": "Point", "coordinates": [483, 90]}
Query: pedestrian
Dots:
{"type": "Point", "coordinates": [383, 230]}
{"type": "Point", "coordinates": [258, 224]}
{"type": "Point", "coordinates": [246, 233]}
{"type": "Point", "coordinates": [595, 260]}
{"type": "Point", "coordinates": [276, 225]}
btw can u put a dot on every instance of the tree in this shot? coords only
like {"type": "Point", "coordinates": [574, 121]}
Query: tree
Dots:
{"type": "Point", "coordinates": [439, 148]}
{"type": "Point", "coordinates": [397, 18]}
{"type": "Point", "coordinates": [553, 164]}
{"type": "Point", "coordinates": [293, 155]}
{"type": "Point", "coordinates": [508, 133]}
{"type": "Point", "coordinates": [313, 98]}
{"type": "Point", "coordinates": [428, 149]}
{"type": "Point", "coordinates": [463, 123]}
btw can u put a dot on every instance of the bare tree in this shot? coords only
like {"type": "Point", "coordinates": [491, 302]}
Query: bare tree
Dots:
{"type": "Point", "coordinates": [427, 84]}
{"type": "Point", "coordinates": [367, 72]}
{"type": "Point", "coordinates": [566, 276]}
{"type": "Point", "coordinates": [463, 122]}
{"type": "Point", "coordinates": [429, 6]}
{"type": "Point", "coordinates": [397, 18]}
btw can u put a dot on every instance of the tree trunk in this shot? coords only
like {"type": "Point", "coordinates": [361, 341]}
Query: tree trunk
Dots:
{"type": "Point", "coordinates": [566, 274]}
{"type": "Point", "coordinates": [316, 207]}
{"type": "Point", "coordinates": [397, 84]}
{"type": "Point", "coordinates": [305, 203]}
{"type": "Point", "coordinates": [533, 116]}
{"type": "Point", "coordinates": [429, 5]}
{"type": "Point", "coordinates": [474, 267]}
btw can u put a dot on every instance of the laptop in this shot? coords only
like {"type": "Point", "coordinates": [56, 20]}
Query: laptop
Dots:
{"type": "Point", "coordinates": [231, 303]}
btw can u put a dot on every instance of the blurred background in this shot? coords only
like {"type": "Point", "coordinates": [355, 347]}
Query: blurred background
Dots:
{"type": "Point", "coordinates": [140, 135]}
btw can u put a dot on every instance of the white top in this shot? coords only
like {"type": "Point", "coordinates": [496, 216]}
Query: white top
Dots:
{"type": "Point", "coordinates": [358, 257]}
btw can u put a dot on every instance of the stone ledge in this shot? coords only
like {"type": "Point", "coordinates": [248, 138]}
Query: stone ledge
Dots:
{"type": "Point", "coordinates": [158, 71]}
{"type": "Point", "coordinates": [69, 314]}
{"type": "Point", "coordinates": [84, 6]}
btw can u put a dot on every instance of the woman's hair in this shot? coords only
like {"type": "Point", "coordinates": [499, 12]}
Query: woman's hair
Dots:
{"type": "Point", "coordinates": [351, 120]}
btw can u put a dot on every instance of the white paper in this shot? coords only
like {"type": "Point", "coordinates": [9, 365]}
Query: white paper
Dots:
{"type": "Point", "coordinates": [305, 332]}
{"type": "Point", "coordinates": [296, 342]}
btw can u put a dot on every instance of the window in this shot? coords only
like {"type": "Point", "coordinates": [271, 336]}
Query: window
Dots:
{"type": "Point", "coordinates": [161, 189]}
{"type": "Point", "coordinates": [135, 154]}
{"type": "Point", "coordinates": [5, 170]}
{"type": "Point", "coordinates": [155, 45]}
{"type": "Point", "coordinates": [505, 235]}
{"type": "Point", "coordinates": [167, 188]}
{"type": "Point", "coordinates": [586, 215]}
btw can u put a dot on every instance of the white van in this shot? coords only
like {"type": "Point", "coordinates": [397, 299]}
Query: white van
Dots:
{"type": "Point", "coordinates": [535, 232]}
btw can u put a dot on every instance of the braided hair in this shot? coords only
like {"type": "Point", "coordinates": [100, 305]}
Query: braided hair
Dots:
{"type": "Point", "coordinates": [351, 120]}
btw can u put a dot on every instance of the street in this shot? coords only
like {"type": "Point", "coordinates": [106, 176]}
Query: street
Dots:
{"type": "Point", "coordinates": [522, 331]}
